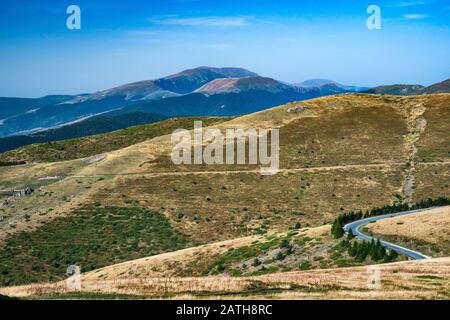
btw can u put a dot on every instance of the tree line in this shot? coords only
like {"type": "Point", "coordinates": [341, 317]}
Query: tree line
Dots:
{"type": "Point", "coordinates": [10, 163]}
{"type": "Point", "coordinates": [361, 250]}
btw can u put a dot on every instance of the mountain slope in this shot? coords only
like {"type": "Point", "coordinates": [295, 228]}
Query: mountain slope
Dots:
{"type": "Point", "coordinates": [221, 104]}
{"type": "Point", "coordinates": [183, 82]}
{"type": "Point", "coordinates": [10, 107]}
{"type": "Point", "coordinates": [238, 85]}
{"type": "Point", "coordinates": [192, 79]}
{"type": "Point", "coordinates": [321, 82]}
{"type": "Point", "coordinates": [140, 90]}
{"type": "Point", "coordinates": [414, 89]}
{"type": "Point", "coordinates": [98, 143]}
{"type": "Point", "coordinates": [230, 97]}
{"type": "Point", "coordinates": [91, 126]}
{"type": "Point", "coordinates": [397, 89]}
{"type": "Point", "coordinates": [440, 87]}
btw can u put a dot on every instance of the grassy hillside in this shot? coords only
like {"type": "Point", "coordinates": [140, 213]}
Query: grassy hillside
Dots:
{"type": "Point", "coordinates": [91, 145]}
{"type": "Point", "coordinates": [297, 249]}
{"type": "Point", "coordinates": [90, 237]}
{"type": "Point", "coordinates": [221, 206]}
{"type": "Point", "coordinates": [429, 279]}
{"type": "Point", "coordinates": [431, 179]}
{"type": "Point", "coordinates": [434, 142]}
{"type": "Point", "coordinates": [341, 153]}
{"type": "Point", "coordinates": [333, 139]}
{"type": "Point", "coordinates": [113, 237]}
{"type": "Point", "coordinates": [427, 232]}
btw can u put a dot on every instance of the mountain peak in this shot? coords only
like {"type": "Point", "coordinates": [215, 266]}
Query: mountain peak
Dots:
{"type": "Point", "coordinates": [226, 85]}
{"type": "Point", "coordinates": [182, 82]}
{"type": "Point", "coordinates": [191, 79]}
{"type": "Point", "coordinates": [315, 82]}
{"type": "Point", "coordinates": [227, 72]}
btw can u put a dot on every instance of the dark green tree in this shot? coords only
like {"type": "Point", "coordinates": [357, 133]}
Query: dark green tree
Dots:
{"type": "Point", "coordinates": [350, 235]}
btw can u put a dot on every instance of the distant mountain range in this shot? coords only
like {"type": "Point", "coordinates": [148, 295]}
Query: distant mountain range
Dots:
{"type": "Point", "coordinates": [233, 96]}
{"type": "Point", "coordinates": [411, 89]}
{"type": "Point", "coordinates": [174, 85]}
{"type": "Point", "coordinates": [323, 82]}
{"type": "Point", "coordinates": [203, 91]}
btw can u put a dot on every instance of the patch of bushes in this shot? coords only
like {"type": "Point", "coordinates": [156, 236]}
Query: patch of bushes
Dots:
{"type": "Point", "coordinates": [11, 163]}
{"type": "Point", "coordinates": [252, 253]}
{"type": "Point", "coordinates": [91, 237]}
{"type": "Point", "coordinates": [305, 266]}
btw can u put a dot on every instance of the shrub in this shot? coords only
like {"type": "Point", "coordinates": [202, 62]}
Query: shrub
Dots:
{"type": "Point", "coordinates": [256, 262]}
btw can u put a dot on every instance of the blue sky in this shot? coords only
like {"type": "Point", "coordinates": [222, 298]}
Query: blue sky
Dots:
{"type": "Point", "coordinates": [292, 41]}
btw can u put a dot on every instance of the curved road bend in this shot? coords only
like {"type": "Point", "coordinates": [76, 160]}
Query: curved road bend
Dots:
{"type": "Point", "coordinates": [354, 226]}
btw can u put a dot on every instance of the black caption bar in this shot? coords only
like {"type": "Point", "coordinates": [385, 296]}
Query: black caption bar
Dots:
{"type": "Point", "coordinates": [216, 309]}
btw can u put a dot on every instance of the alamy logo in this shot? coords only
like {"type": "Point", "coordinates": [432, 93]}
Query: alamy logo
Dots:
{"type": "Point", "coordinates": [373, 277]}
{"type": "Point", "coordinates": [73, 282]}
{"type": "Point", "coordinates": [73, 21]}
{"type": "Point", "coordinates": [374, 20]}
{"type": "Point", "coordinates": [214, 147]}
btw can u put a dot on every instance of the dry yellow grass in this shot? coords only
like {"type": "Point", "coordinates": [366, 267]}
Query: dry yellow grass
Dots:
{"type": "Point", "coordinates": [424, 279]}
{"type": "Point", "coordinates": [46, 202]}
{"type": "Point", "coordinates": [166, 264]}
{"type": "Point", "coordinates": [172, 263]}
{"type": "Point", "coordinates": [422, 229]}
{"type": "Point", "coordinates": [431, 225]}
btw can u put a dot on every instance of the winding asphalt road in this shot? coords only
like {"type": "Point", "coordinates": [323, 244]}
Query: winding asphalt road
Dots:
{"type": "Point", "coordinates": [354, 226]}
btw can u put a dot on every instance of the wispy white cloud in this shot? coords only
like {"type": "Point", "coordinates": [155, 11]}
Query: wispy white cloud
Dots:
{"type": "Point", "coordinates": [400, 4]}
{"type": "Point", "coordinates": [415, 16]}
{"type": "Point", "coordinates": [208, 21]}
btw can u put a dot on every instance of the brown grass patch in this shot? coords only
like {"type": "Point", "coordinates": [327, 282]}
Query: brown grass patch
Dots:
{"type": "Point", "coordinates": [424, 279]}
{"type": "Point", "coordinates": [428, 231]}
